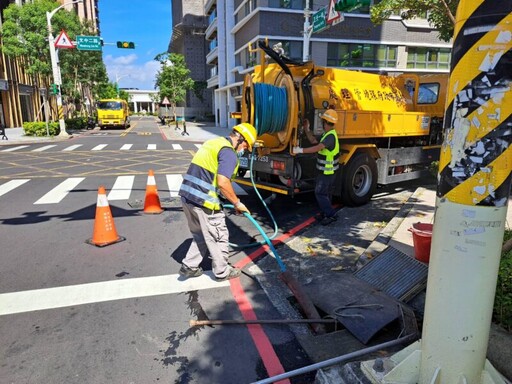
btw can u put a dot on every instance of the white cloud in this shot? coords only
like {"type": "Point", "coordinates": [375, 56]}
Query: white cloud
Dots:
{"type": "Point", "coordinates": [130, 73]}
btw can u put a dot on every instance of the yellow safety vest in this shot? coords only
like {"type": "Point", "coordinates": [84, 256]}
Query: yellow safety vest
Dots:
{"type": "Point", "coordinates": [328, 161]}
{"type": "Point", "coordinates": [200, 184]}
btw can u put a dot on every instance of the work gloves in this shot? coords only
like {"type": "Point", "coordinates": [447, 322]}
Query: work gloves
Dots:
{"type": "Point", "coordinates": [297, 150]}
{"type": "Point", "coordinates": [241, 208]}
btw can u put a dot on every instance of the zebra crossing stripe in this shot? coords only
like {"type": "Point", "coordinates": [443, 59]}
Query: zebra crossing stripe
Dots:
{"type": "Point", "coordinates": [99, 147]}
{"type": "Point", "coordinates": [12, 149]}
{"type": "Point", "coordinates": [10, 185]}
{"type": "Point", "coordinates": [122, 188]}
{"type": "Point", "coordinates": [73, 147]}
{"type": "Point", "coordinates": [476, 157]}
{"type": "Point", "coordinates": [60, 191]}
{"type": "Point", "coordinates": [59, 297]}
{"type": "Point", "coordinates": [151, 146]}
{"type": "Point", "coordinates": [126, 147]}
{"type": "Point", "coordinates": [46, 147]}
{"type": "Point", "coordinates": [174, 183]}
{"type": "Point", "coordinates": [176, 146]}
{"type": "Point", "coordinates": [198, 145]}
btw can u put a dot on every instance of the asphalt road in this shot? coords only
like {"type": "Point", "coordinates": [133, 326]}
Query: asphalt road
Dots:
{"type": "Point", "coordinates": [72, 312]}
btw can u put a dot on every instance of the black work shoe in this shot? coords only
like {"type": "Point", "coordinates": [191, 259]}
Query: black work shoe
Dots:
{"type": "Point", "coordinates": [233, 273]}
{"type": "Point", "coordinates": [328, 220]}
{"type": "Point", "coordinates": [190, 272]}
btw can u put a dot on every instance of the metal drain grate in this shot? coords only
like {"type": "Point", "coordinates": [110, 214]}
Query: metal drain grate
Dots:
{"type": "Point", "coordinates": [395, 273]}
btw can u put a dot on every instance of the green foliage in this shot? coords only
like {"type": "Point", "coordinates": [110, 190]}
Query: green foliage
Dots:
{"type": "Point", "coordinates": [76, 123]}
{"type": "Point", "coordinates": [503, 300]}
{"type": "Point", "coordinates": [440, 13]}
{"type": "Point", "coordinates": [39, 128]}
{"type": "Point", "coordinates": [199, 87]}
{"type": "Point", "coordinates": [173, 79]}
{"type": "Point", "coordinates": [25, 34]}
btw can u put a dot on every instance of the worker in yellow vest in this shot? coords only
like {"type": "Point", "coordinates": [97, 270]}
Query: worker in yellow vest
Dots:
{"type": "Point", "coordinates": [210, 174]}
{"type": "Point", "coordinates": [327, 163]}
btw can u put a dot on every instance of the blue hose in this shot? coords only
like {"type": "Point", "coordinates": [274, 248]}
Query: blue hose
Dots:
{"type": "Point", "coordinates": [271, 108]}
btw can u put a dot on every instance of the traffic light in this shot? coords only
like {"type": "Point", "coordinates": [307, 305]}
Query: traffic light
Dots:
{"type": "Point", "coordinates": [350, 5]}
{"type": "Point", "coordinates": [126, 44]}
{"type": "Point", "coordinates": [54, 89]}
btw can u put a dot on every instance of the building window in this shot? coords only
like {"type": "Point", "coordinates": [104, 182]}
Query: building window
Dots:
{"type": "Point", "coordinates": [428, 58]}
{"type": "Point", "coordinates": [354, 55]}
{"type": "Point", "coordinates": [248, 7]}
{"type": "Point", "coordinates": [292, 49]}
{"type": "Point", "coordinates": [287, 4]}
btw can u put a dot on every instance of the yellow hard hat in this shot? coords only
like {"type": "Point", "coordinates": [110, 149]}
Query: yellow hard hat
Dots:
{"type": "Point", "coordinates": [330, 115]}
{"type": "Point", "coordinates": [248, 132]}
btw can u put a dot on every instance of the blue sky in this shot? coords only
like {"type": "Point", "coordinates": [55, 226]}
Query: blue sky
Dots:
{"type": "Point", "coordinates": [148, 24]}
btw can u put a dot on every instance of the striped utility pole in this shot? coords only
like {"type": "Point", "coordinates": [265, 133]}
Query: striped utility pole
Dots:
{"type": "Point", "coordinates": [471, 206]}
{"type": "Point", "coordinates": [472, 197]}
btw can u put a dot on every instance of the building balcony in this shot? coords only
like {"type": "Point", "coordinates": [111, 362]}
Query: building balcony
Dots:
{"type": "Point", "coordinates": [212, 28]}
{"type": "Point", "coordinates": [212, 55]}
{"type": "Point", "coordinates": [209, 4]}
{"type": "Point", "coordinates": [213, 82]}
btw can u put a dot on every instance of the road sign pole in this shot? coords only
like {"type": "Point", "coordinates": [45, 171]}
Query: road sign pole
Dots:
{"type": "Point", "coordinates": [56, 74]}
{"type": "Point", "coordinates": [308, 29]}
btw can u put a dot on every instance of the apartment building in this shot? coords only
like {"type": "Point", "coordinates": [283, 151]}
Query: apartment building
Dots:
{"type": "Point", "coordinates": [235, 26]}
{"type": "Point", "coordinates": [21, 95]}
{"type": "Point", "coordinates": [189, 23]}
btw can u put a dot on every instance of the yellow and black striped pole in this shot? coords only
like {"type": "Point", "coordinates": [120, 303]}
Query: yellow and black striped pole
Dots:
{"type": "Point", "coordinates": [471, 207]}
{"type": "Point", "coordinates": [472, 197]}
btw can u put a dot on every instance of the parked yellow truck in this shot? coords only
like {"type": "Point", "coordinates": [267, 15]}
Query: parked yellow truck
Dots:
{"type": "Point", "coordinates": [113, 113]}
{"type": "Point", "coordinates": [389, 128]}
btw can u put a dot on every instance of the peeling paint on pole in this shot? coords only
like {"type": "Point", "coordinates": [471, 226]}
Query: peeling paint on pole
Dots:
{"type": "Point", "coordinates": [476, 158]}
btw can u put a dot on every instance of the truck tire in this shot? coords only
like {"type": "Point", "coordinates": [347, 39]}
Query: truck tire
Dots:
{"type": "Point", "coordinates": [359, 180]}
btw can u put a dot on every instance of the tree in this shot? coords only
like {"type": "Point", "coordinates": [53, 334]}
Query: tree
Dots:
{"type": "Point", "coordinates": [440, 13]}
{"type": "Point", "coordinates": [173, 80]}
{"type": "Point", "coordinates": [24, 35]}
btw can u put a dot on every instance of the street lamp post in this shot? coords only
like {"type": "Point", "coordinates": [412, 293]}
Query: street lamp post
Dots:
{"type": "Point", "coordinates": [117, 82]}
{"type": "Point", "coordinates": [55, 65]}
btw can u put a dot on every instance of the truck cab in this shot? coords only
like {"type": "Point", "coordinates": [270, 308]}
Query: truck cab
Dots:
{"type": "Point", "coordinates": [113, 113]}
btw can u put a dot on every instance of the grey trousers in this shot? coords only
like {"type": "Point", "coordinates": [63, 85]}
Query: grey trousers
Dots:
{"type": "Point", "coordinates": [210, 237]}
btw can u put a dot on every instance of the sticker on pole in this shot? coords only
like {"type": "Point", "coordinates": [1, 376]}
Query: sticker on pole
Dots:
{"type": "Point", "coordinates": [332, 16]}
{"type": "Point", "coordinates": [63, 41]}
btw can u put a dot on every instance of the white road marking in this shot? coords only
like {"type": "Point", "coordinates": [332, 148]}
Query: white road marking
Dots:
{"type": "Point", "coordinates": [126, 147]}
{"type": "Point", "coordinates": [99, 147]}
{"type": "Point", "coordinates": [58, 297]}
{"type": "Point", "coordinates": [72, 148]}
{"type": "Point", "coordinates": [198, 145]}
{"type": "Point", "coordinates": [60, 191]}
{"type": "Point", "coordinates": [122, 188]}
{"type": "Point", "coordinates": [14, 148]}
{"type": "Point", "coordinates": [174, 183]}
{"type": "Point", "coordinates": [10, 185]}
{"type": "Point", "coordinates": [43, 148]}
{"type": "Point", "coordinates": [151, 146]}
{"type": "Point", "coordinates": [177, 146]}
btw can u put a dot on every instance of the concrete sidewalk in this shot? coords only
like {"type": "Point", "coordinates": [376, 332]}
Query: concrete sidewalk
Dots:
{"type": "Point", "coordinates": [17, 136]}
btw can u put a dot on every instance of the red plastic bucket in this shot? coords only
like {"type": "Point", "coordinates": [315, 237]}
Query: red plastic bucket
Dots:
{"type": "Point", "coordinates": [422, 240]}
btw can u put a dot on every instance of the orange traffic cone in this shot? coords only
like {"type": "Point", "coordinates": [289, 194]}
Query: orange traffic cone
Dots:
{"type": "Point", "coordinates": [152, 201]}
{"type": "Point", "coordinates": [104, 232]}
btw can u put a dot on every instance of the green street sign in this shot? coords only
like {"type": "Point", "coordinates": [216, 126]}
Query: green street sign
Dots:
{"type": "Point", "coordinates": [319, 23]}
{"type": "Point", "coordinates": [88, 43]}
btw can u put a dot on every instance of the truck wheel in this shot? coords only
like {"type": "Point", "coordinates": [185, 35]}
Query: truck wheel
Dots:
{"type": "Point", "coordinates": [359, 180]}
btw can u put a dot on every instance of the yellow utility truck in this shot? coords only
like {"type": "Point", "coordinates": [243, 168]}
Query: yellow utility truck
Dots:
{"type": "Point", "coordinates": [113, 113]}
{"type": "Point", "coordinates": [389, 128]}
